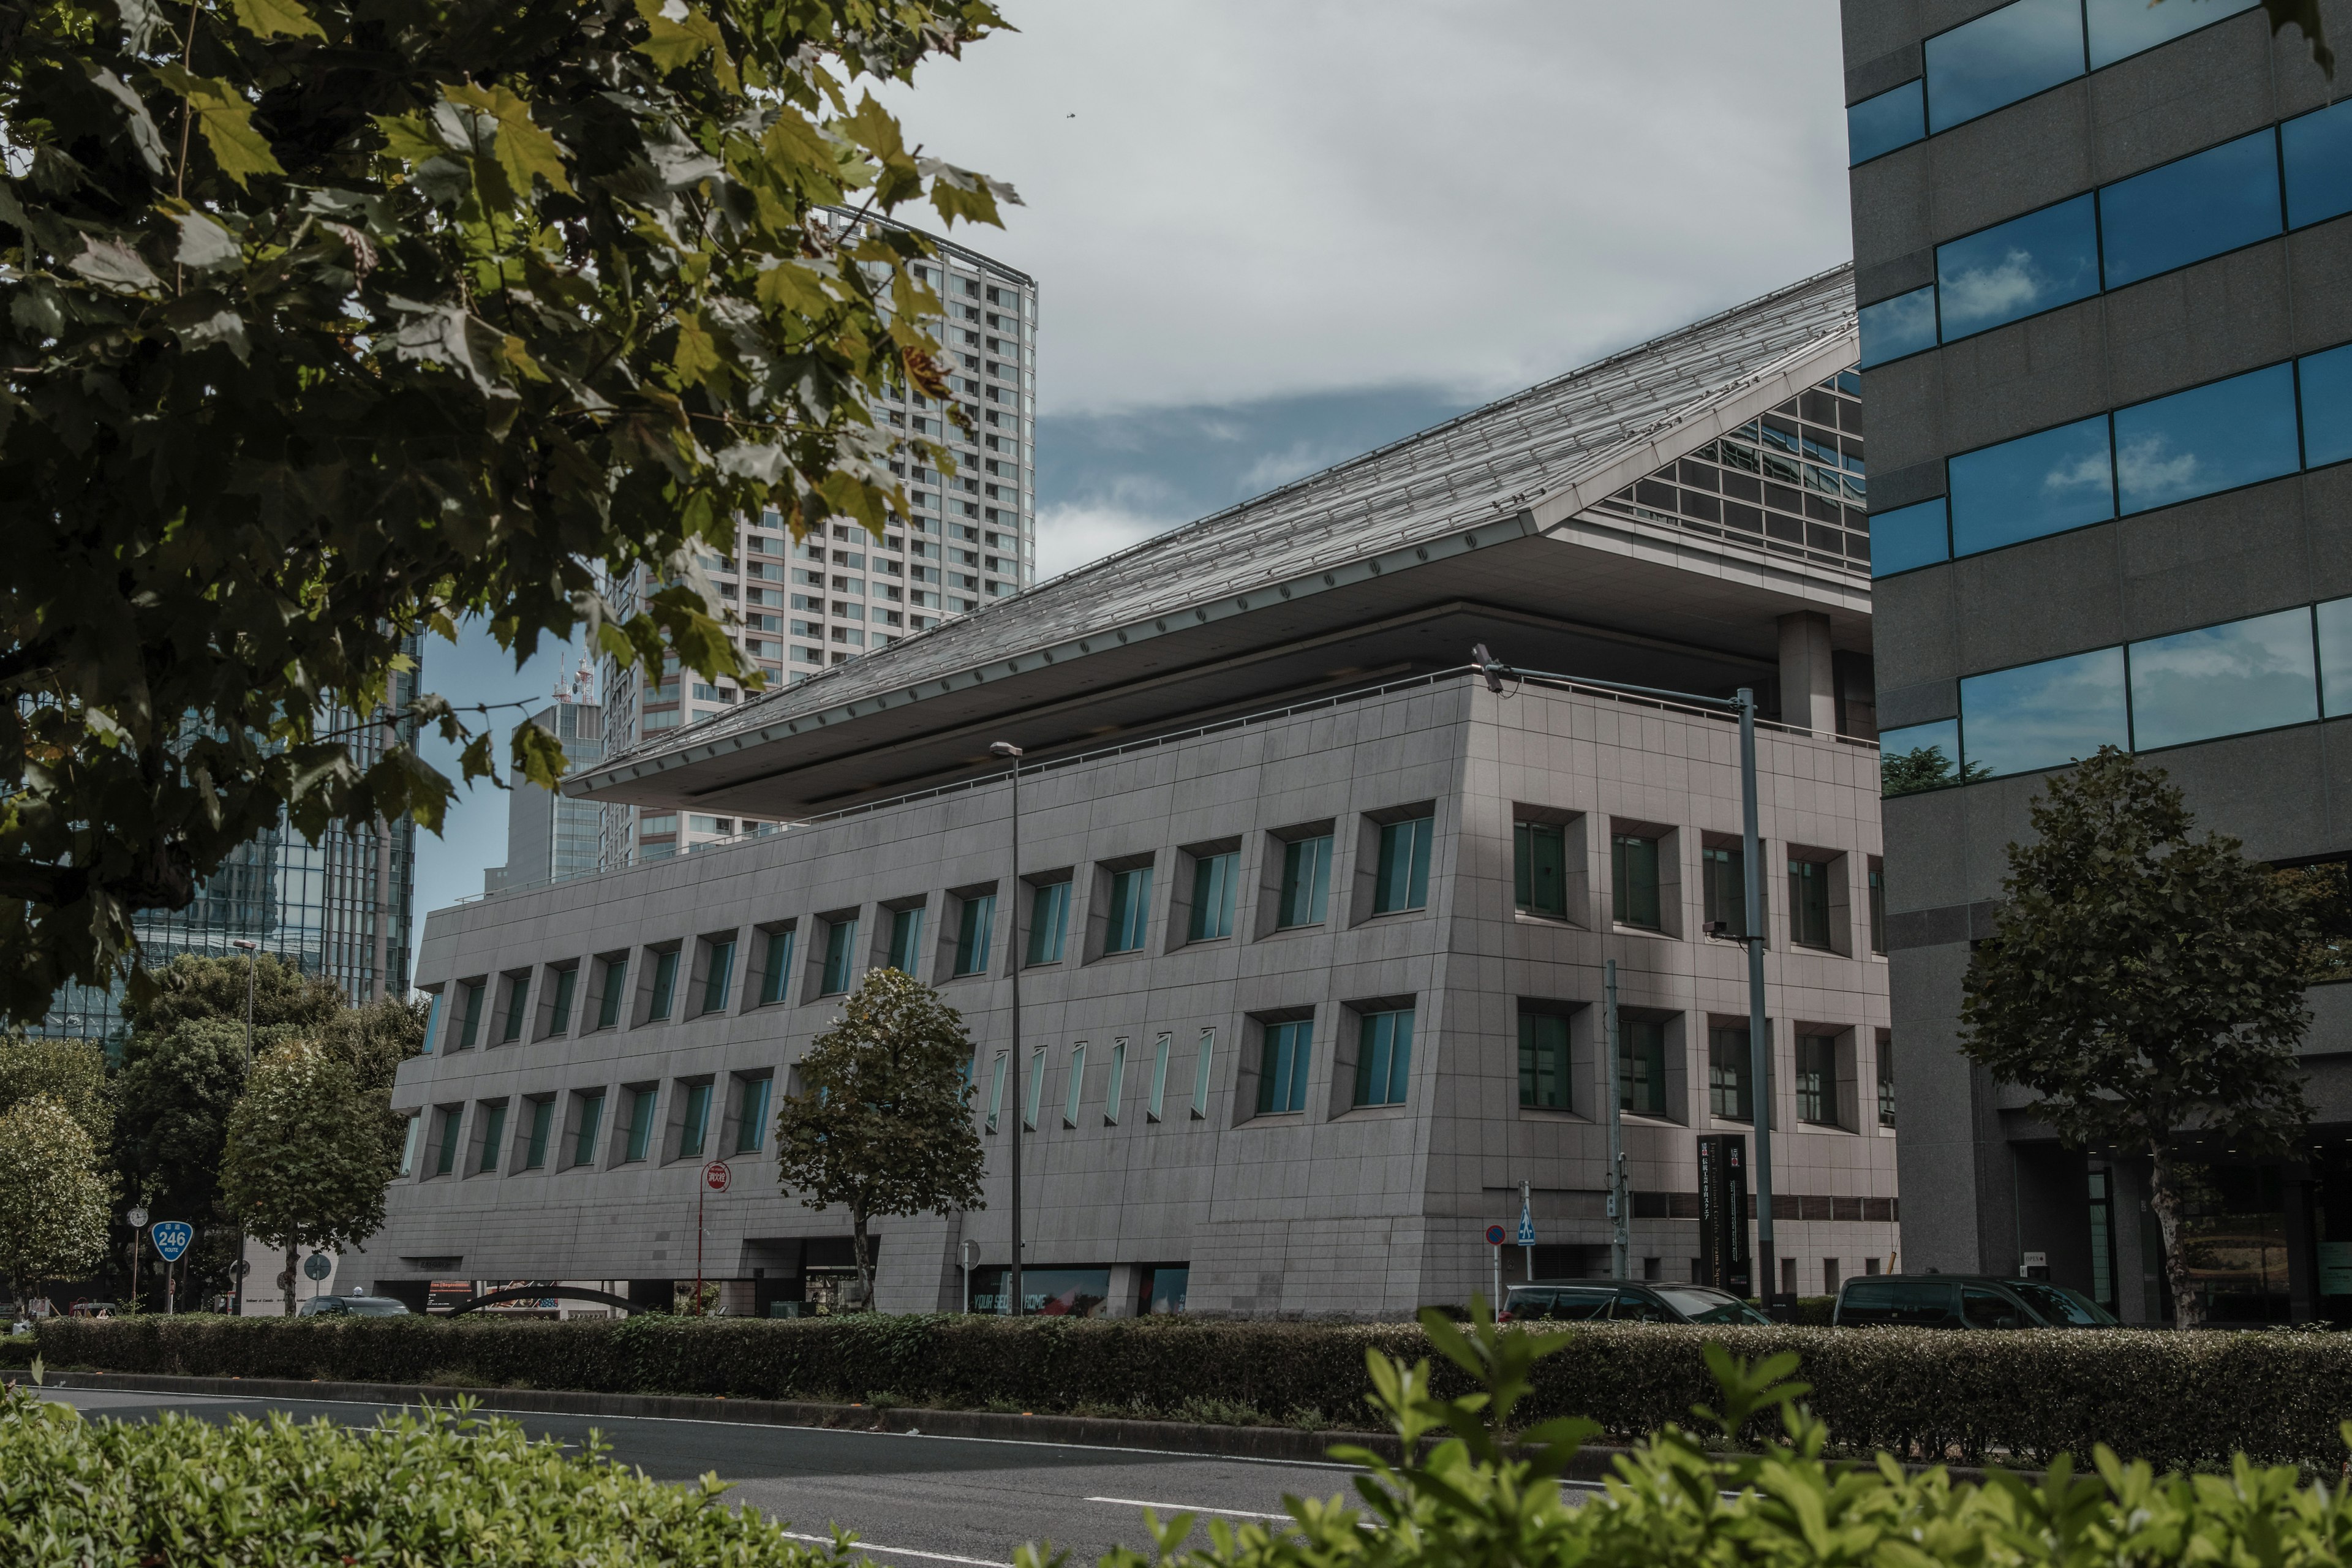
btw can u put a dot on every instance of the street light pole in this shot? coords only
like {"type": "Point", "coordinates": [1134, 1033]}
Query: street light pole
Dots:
{"type": "Point", "coordinates": [252, 951]}
{"type": "Point", "coordinates": [1013, 754]}
{"type": "Point", "coordinates": [1759, 1041]}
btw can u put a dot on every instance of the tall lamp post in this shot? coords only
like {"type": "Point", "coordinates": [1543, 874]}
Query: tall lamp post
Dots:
{"type": "Point", "coordinates": [1759, 1047]}
{"type": "Point", "coordinates": [252, 951]}
{"type": "Point", "coordinates": [1013, 754]}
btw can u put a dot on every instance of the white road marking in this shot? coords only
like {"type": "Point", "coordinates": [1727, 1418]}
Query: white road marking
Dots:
{"type": "Point", "coordinates": [901, 1550]}
{"type": "Point", "coordinates": [1189, 1508]}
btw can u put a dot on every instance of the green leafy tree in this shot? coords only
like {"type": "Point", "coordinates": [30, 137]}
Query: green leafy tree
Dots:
{"type": "Point", "coordinates": [71, 1072]}
{"type": "Point", "coordinates": [1923, 767]}
{"type": "Point", "coordinates": [2146, 985]}
{"type": "Point", "coordinates": [882, 1124]}
{"type": "Point", "coordinates": [52, 1198]}
{"type": "Point", "coordinates": [376, 1038]}
{"type": "Point", "coordinates": [324, 325]}
{"type": "Point", "coordinates": [309, 1153]}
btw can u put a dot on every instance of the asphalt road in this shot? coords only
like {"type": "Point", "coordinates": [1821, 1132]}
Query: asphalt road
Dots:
{"type": "Point", "coordinates": [912, 1500]}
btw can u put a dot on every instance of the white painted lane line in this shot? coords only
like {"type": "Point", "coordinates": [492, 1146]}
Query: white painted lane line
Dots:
{"type": "Point", "coordinates": [901, 1552]}
{"type": "Point", "coordinates": [1167, 1508]}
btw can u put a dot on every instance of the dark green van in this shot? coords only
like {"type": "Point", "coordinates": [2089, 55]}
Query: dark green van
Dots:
{"type": "Point", "coordinates": [1964, 1301]}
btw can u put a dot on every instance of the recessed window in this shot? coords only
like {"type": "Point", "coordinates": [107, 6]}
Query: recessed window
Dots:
{"type": "Point", "coordinates": [1540, 868]}
{"type": "Point", "coordinates": [1809, 903]}
{"type": "Point", "coordinates": [1036, 1095]}
{"type": "Point", "coordinates": [776, 969]}
{"type": "Point", "coordinates": [1049, 921]}
{"type": "Point", "coordinates": [664, 986]}
{"type": "Point", "coordinates": [1130, 909]}
{"type": "Point", "coordinates": [840, 956]}
{"type": "Point", "coordinates": [1160, 1051]}
{"type": "Point", "coordinates": [751, 1113]}
{"type": "Point", "coordinates": [1115, 1090]}
{"type": "Point", "coordinates": [559, 1012]}
{"type": "Point", "coordinates": [1203, 1065]}
{"type": "Point", "coordinates": [975, 923]}
{"type": "Point", "coordinates": [1214, 885]}
{"type": "Point", "coordinates": [1282, 1070]}
{"type": "Point", "coordinates": [592, 1121]}
{"type": "Point", "coordinates": [612, 994]}
{"type": "Point", "coordinates": [1543, 1060]}
{"type": "Point", "coordinates": [470, 1014]}
{"type": "Point", "coordinates": [641, 1103]}
{"type": "Point", "coordinates": [694, 1127]}
{"type": "Point", "coordinates": [1641, 1065]}
{"type": "Point", "coordinates": [444, 1157]}
{"type": "Point", "coordinates": [1633, 881]}
{"type": "Point", "coordinates": [494, 1136]}
{"type": "Point", "coordinates": [1306, 882]}
{"type": "Point", "coordinates": [408, 1144]}
{"type": "Point", "coordinates": [1384, 1057]}
{"type": "Point", "coordinates": [1729, 1075]}
{"type": "Point", "coordinates": [1817, 1085]}
{"type": "Point", "coordinates": [1723, 875]}
{"type": "Point", "coordinates": [1402, 878]}
{"type": "Point", "coordinates": [1878, 907]}
{"type": "Point", "coordinates": [543, 1128]}
{"type": "Point", "coordinates": [1077, 1083]}
{"type": "Point", "coordinates": [907, 940]}
{"type": "Point", "coordinates": [1886, 1080]}
{"type": "Point", "coordinates": [996, 1089]}
{"type": "Point", "coordinates": [720, 978]}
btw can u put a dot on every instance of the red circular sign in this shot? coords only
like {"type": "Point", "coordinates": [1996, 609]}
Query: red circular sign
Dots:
{"type": "Point", "coordinates": [1494, 1236]}
{"type": "Point", "coordinates": [714, 1175]}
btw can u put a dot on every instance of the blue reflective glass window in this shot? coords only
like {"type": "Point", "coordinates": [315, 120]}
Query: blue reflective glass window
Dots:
{"type": "Point", "coordinates": [1908, 537]}
{"type": "Point", "coordinates": [1922, 756]}
{"type": "Point", "coordinates": [2032, 486]}
{"type": "Point", "coordinates": [1881, 124]}
{"type": "Point", "coordinates": [2318, 148]}
{"type": "Point", "coordinates": [2018, 268]}
{"type": "Point", "coordinates": [2011, 53]}
{"type": "Point", "coordinates": [2334, 624]}
{"type": "Point", "coordinates": [2223, 681]}
{"type": "Point", "coordinates": [2202, 205]}
{"type": "Point", "coordinates": [2043, 715]}
{"type": "Point", "coordinates": [2327, 387]}
{"type": "Point", "coordinates": [2121, 28]}
{"type": "Point", "coordinates": [2208, 438]}
{"type": "Point", "coordinates": [1892, 328]}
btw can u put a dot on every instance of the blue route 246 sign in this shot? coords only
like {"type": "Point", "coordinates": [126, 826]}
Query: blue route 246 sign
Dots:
{"type": "Point", "coordinates": [170, 1238]}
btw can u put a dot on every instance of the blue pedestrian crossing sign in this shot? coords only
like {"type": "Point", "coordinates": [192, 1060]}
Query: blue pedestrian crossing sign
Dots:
{"type": "Point", "coordinates": [170, 1238]}
{"type": "Point", "coordinates": [1526, 1227]}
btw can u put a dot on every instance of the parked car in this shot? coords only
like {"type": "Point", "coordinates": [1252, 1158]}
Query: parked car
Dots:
{"type": "Point", "coordinates": [351, 1307]}
{"type": "Point", "coordinates": [1623, 1301]}
{"type": "Point", "coordinates": [1965, 1301]}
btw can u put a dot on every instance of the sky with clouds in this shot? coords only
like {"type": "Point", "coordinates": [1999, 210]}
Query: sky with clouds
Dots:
{"type": "Point", "coordinates": [1269, 235]}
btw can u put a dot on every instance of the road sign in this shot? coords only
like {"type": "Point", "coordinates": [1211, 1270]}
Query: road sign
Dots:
{"type": "Point", "coordinates": [716, 1176]}
{"type": "Point", "coordinates": [172, 1238]}
{"type": "Point", "coordinates": [1495, 1235]}
{"type": "Point", "coordinates": [1526, 1227]}
{"type": "Point", "coordinates": [138, 1219]}
{"type": "Point", "coordinates": [318, 1266]}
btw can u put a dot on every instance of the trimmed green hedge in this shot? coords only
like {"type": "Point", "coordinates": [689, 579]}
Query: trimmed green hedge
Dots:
{"type": "Point", "coordinates": [2172, 1398]}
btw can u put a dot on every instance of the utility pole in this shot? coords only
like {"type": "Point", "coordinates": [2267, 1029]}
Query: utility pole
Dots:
{"type": "Point", "coordinates": [1012, 752]}
{"type": "Point", "coordinates": [1619, 1237]}
{"type": "Point", "coordinates": [252, 951]}
{"type": "Point", "coordinates": [1759, 1041]}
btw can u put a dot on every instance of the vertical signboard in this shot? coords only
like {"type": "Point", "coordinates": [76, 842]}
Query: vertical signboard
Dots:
{"type": "Point", "coordinates": [1723, 1212]}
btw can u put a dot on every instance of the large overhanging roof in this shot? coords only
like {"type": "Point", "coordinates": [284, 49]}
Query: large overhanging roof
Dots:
{"type": "Point", "coordinates": [1377, 563]}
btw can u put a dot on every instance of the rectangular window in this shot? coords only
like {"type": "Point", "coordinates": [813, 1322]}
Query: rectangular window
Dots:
{"type": "Point", "coordinates": [1202, 1067]}
{"type": "Point", "coordinates": [1036, 1090]}
{"type": "Point", "coordinates": [1809, 903]}
{"type": "Point", "coordinates": [433, 1041]}
{"type": "Point", "coordinates": [1049, 921]}
{"type": "Point", "coordinates": [1909, 537]}
{"type": "Point", "coordinates": [1890, 330]}
{"type": "Point", "coordinates": [2334, 626]}
{"type": "Point", "coordinates": [1384, 1057]}
{"type": "Point", "coordinates": [2248, 674]}
{"type": "Point", "coordinates": [1130, 909]}
{"type": "Point", "coordinates": [558, 1015]}
{"type": "Point", "coordinates": [1281, 1072]}
{"type": "Point", "coordinates": [2043, 715]}
{"type": "Point", "coordinates": [2317, 150]}
{"type": "Point", "coordinates": [1159, 1050]}
{"type": "Point", "coordinates": [641, 1124]}
{"type": "Point", "coordinates": [751, 1113]}
{"type": "Point", "coordinates": [1116, 1088]}
{"type": "Point", "coordinates": [664, 986]}
{"type": "Point", "coordinates": [2036, 485]}
{"type": "Point", "coordinates": [2209, 438]}
{"type": "Point", "coordinates": [2001, 57]}
{"type": "Point", "coordinates": [1633, 881]}
{"type": "Point", "coordinates": [518, 1008]}
{"type": "Point", "coordinates": [776, 971]}
{"type": "Point", "coordinates": [1894, 118]}
{"type": "Point", "coordinates": [996, 1090]}
{"type": "Point", "coordinates": [1641, 1065]}
{"type": "Point", "coordinates": [1306, 882]}
{"type": "Point", "coordinates": [1729, 1074]}
{"type": "Point", "coordinates": [1886, 1081]}
{"type": "Point", "coordinates": [840, 956]}
{"type": "Point", "coordinates": [1077, 1083]}
{"type": "Point", "coordinates": [1878, 907]}
{"type": "Point", "coordinates": [2194, 207]}
{"type": "Point", "coordinates": [974, 924]}
{"type": "Point", "coordinates": [1540, 868]}
{"type": "Point", "coordinates": [1213, 879]}
{"type": "Point", "coordinates": [1543, 1061]}
{"type": "Point", "coordinates": [720, 978]}
{"type": "Point", "coordinates": [592, 1121]}
{"type": "Point", "coordinates": [907, 940]}
{"type": "Point", "coordinates": [494, 1136]}
{"type": "Point", "coordinates": [1919, 756]}
{"type": "Point", "coordinates": [1817, 1080]}
{"type": "Point", "coordinates": [444, 1158]}
{"type": "Point", "coordinates": [542, 1125]}
{"type": "Point", "coordinates": [2121, 28]}
{"type": "Point", "coordinates": [2018, 268]}
{"type": "Point", "coordinates": [2324, 380]}
{"type": "Point", "coordinates": [1723, 873]}
{"type": "Point", "coordinates": [1402, 882]}
{"type": "Point", "coordinates": [608, 1005]}
{"type": "Point", "coordinates": [695, 1127]}
{"type": "Point", "coordinates": [471, 1020]}
{"type": "Point", "coordinates": [410, 1134]}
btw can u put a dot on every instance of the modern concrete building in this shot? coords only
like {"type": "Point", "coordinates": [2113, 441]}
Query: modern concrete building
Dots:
{"type": "Point", "coordinates": [1310, 924]}
{"type": "Point", "coordinates": [969, 539]}
{"type": "Point", "coordinates": [2105, 279]}
{"type": "Point", "coordinates": [551, 838]}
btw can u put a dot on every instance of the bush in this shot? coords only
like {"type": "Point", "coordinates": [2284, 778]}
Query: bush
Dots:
{"type": "Point", "coordinates": [2177, 1399]}
{"type": "Point", "coordinates": [441, 1488]}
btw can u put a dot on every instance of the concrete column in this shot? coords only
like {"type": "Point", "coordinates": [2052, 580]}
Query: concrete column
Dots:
{"type": "Point", "coordinates": [1808, 684]}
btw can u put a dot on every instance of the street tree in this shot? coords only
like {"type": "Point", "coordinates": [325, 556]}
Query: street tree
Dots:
{"type": "Point", "coordinates": [53, 1199]}
{"type": "Point", "coordinates": [2146, 985]}
{"type": "Point", "coordinates": [881, 1123]}
{"type": "Point", "coordinates": [326, 326]}
{"type": "Point", "coordinates": [71, 1072]}
{"type": "Point", "coordinates": [309, 1153]}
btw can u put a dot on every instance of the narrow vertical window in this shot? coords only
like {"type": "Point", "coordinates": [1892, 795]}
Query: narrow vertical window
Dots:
{"type": "Point", "coordinates": [1159, 1049]}
{"type": "Point", "coordinates": [1543, 1061]}
{"type": "Point", "coordinates": [1130, 909]}
{"type": "Point", "coordinates": [907, 940]}
{"type": "Point", "coordinates": [408, 1143]}
{"type": "Point", "coordinates": [1728, 1089]}
{"type": "Point", "coordinates": [494, 1136]}
{"type": "Point", "coordinates": [1539, 868]}
{"type": "Point", "coordinates": [840, 954]}
{"type": "Point", "coordinates": [1726, 880]}
{"type": "Point", "coordinates": [1886, 1080]}
{"type": "Point", "coordinates": [695, 1126]}
{"type": "Point", "coordinates": [1641, 1065]}
{"type": "Point", "coordinates": [1049, 921]}
{"type": "Point", "coordinates": [444, 1158]}
{"type": "Point", "coordinates": [558, 1016]}
{"type": "Point", "coordinates": [1116, 1088]}
{"type": "Point", "coordinates": [1214, 879]}
{"type": "Point", "coordinates": [1202, 1068]}
{"type": "Point", "coordinates": [664, 986]}
{"type": "Point", "coordinates": [608, 1005]}
{"type": "Point", "coordinates": [1077, 1083]}
{"type": "Point", "coordinates": [1306, 882]}
{"type": "Point", "coordinates": [996, 1090]}
{"type": "Point", "coordinates": [543, 1123]}
{"type": "Point", "coordinates": [977, 921]}
{"type": "Point", "coordinates": [776, 971]}
{"type": "Point", "coordinates": [473, 1016]}
{"type": "Point", "coordinates": [518, 1007]}
{"type": "Point", "coordinates": [433, 1030]}
{"type": "Point", "coordinates": [1402, 882]}
{"type": "Point", "coordinates": [1633, 881]}
{"type": "Point", "coordinates": [751, 1114]}
{"type": "Point", "coordinates": [1817, 1080]}
{"type": "Point", "coordinates": [1281, 1074]}
{"type": "Point", "coordinates": [721, 977]}
{"type": "Point", "coordinates": [641, 1103]}
{"type": "Point", "coordinates": [1878, 907]}
{"type": "Point", "coordinates": [1036, 1090]}
{"type": "Point", "coordinates": [1384, 1057]}
{"type": "Point", "coordinates": [591, 1121]}
{"type": "Point", "coordinates": [1809, 903]}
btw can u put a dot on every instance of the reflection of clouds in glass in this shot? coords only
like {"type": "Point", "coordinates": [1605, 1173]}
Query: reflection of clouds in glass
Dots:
{"type": "Point", "coordinates": [2223, 681]}
{"type": "Point", "coordinates": [1892, 328]}
{"type": "Point", "coordinates": [2087, 471]}
{"type": "Point", "coordinates": [2152, 473]}
{"type": "Point", "coordinates": [2045, 715]}
{"type": "Point", "coordinates": [2011, 287]}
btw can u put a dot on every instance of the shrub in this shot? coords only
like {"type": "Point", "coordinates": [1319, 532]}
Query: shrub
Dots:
{"type": "Point", "coordinates": [2176, 1399]}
